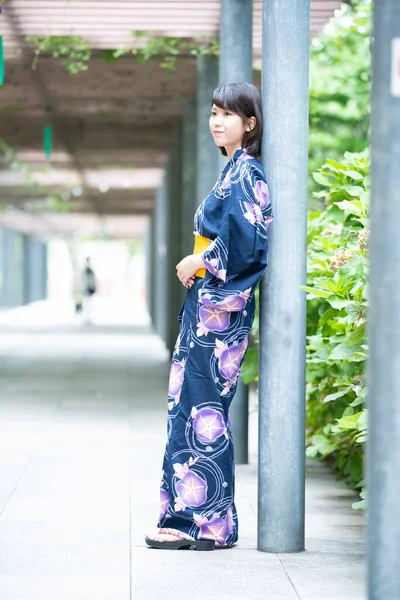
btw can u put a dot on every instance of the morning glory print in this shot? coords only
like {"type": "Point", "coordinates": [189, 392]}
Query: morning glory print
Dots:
{"type": "Point", "coordinates": [198, 476]}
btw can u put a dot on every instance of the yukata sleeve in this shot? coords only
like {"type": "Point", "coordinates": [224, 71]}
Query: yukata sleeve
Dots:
{"type": "Point", "coordinates": [238, 257]}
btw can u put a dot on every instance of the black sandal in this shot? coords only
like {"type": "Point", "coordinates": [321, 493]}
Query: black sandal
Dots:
{"type": "Point", "coordinates": [185, 543]}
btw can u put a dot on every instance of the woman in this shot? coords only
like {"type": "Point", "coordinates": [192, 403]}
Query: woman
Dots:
{"type": "Point", "coordinates": [197, 488]}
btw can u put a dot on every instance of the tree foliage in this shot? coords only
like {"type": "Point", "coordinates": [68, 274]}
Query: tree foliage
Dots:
{"type": "Point", "coordinates": [337, 316]}
{"type": "Point", "coordinates": [340, 82]}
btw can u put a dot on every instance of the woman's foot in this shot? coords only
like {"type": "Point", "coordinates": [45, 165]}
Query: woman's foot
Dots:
{"type": "Point", "coordinates": [173, 539]}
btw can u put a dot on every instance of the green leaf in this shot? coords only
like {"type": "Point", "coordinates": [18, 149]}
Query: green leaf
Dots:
{"type": "Point", "coordinates": [348, 422]}
{"type": "Point", "coordinates": [357, 335]}
{"type": "Point", "coordinates": [354, 175]}
{"type": "Point", "coordinates": [361, 505]}
{"type": "Point", "coordinates": [315, 291]}
{"type": "Point", "coordinates": [350, 207]}
{"type": "Point", "coordinates": [337, 395]}
{"type": "Point", "coordinates": [344, 352]}
{"type": "Point", "coordinates": [338, 303]}
{"type": "Point", "coordinates": [322, 179]}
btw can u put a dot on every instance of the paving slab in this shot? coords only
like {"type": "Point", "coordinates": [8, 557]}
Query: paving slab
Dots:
{"type": "Point", "coordinates": [82, 434]}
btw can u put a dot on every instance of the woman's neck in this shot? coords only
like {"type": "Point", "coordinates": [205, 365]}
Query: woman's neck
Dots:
{"type": "Point", "coordinates": [231, 150]}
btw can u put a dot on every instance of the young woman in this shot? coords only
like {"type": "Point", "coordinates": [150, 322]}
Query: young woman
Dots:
{"type": "Point", "coordinates": [197, 509]}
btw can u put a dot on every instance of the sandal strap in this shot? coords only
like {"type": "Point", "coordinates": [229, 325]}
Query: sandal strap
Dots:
{"type": "Point", "coordinates": [177, 533]}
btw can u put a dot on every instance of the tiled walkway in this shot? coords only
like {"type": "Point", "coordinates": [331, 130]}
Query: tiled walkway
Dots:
{"type": "Point", "coordinates": [82, 432]}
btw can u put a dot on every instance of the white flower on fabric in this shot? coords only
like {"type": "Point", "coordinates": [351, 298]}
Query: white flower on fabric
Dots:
{"type": "Point", "coordinates": [199, 520]}
{"type": "Point", "coordinates": [201, 330]}
{"type": "Point", "coordinates": [210, 246]}
{"type": "Point", "coordinates": [253, 213]}
{"type": "Point", "coordinates": [221, 274]}
{"type": "Point", "coordinates": [179, 505]}
{"type": "Point", "coordinates": [180, 470]}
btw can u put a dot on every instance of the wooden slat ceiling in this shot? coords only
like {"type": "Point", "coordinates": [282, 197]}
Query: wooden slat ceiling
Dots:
{"type": "Point", "coordinates": [119, 116]}
{"type": "Point", "coordinates": [108, 24]}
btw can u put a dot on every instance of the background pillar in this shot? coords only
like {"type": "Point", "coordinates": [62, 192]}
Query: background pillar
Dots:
{"type": "Point", "coordinates": [35, 269]}
{"type": "Point", "coordinates": [285, 68]}
{"type": "Point", "coordinates": [236, 65]}
{"type": "Point", "coordinates": [189, 167]}
{"type": "Point", "coordinates": [160, 254]}
{"type": "Point", "coordinates": [175, 289]}
{"type": "Point", "coordinates": [383, 447]}
{"type": "Point", "coordinates": [207, 153]}
{"type": "Point", "coordinates": [13, 268]}
{"type": "Point", "coordinates": [150, 250]}
{"type": "Point", "coordinates": [236, 34]}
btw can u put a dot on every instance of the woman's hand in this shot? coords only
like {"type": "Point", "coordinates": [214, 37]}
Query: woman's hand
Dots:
{"type": "Point", "coordinates": [187, 268]}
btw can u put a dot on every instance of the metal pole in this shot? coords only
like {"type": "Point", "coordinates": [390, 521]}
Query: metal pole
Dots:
{"type": "Point", "coordinates": [189, 200]}
{"type": "Point", "coordinates": [160, 252]}
{"type": "Point", "coordinates": [383, 448]}
{"type": "Point", "coordinates": [206, 152]}
{"type": "Point", "coordinates": [236, 64]}
{"type": "Point", "coordinates": [281, 482]}
{"type": "Point", "coordinates": [236, 53]}
{"type": "Point", "coordinates": [175, 289]}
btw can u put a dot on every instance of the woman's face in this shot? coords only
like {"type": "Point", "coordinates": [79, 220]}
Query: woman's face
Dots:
{"type": "Point", "coordinates": [227, 129]}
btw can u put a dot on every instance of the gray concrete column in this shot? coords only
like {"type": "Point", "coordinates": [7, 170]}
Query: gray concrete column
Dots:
{"type": "Point", "coordinates": [189, 167]}
{"type": "Point", "coordinates": [235, 65]}
{"type": "Point", "coordinates": [175, 289]}
{"type": "Point", "coordinates": [149, 261]}
{"type": "Point", "coordinates": [13, 268]}
{"type": "Point", "coordinates": [35, 269]}
{"type": "Point", "coordinates": [235, 42]}
{"type": "Point", "coordinates": [383, 447]}
{"type": "Point", "coordinates": [286, 27]}
{"type": "Point", "coordinates": [207, 153]}
{"type": "Point", "coordinates": [2, 267]}
{"type": "Point", "coordinates": [160, 270]}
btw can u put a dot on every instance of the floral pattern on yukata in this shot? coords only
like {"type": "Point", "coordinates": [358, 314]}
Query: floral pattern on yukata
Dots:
{"type": "Point", "coordinates": [198, 476]}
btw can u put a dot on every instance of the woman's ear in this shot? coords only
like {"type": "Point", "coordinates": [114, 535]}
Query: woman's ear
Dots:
{"type": "Point", "coordinates": [251, 123]}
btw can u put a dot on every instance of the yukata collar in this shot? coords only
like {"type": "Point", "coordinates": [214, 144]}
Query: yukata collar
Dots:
{"type": "Point", "coordinates": [239, 155]}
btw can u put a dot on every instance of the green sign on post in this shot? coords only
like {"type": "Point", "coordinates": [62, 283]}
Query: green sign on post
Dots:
{"type": "Point", "coordinates": [1, 61]}
{"type": "Point", "coordinates": [47, 140]}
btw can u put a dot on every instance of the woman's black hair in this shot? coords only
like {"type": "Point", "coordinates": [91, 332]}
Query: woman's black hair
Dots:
{"type": "Point", "coordinates": [243, 99]}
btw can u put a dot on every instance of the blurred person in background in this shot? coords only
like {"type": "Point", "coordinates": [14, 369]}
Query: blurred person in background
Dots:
{"type": "Point", "coordinates": [88, 290]}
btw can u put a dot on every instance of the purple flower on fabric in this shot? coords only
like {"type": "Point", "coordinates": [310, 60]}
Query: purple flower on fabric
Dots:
{"type": "Point", "coordinates": [216, 529]}
{"type": "Point", "coordinates": [176, 378]}
{"type": "Point", "coordinates": [267, 222]}
{"type": "Point", "coordinates": [244, 156]}
{"type": "Point", "coordinates": [262, 194]}
{"type": "Point", "coordinates": [164, 501]}
{"type": "Point", "coordinates": [230, 358]}
{"type": "Point", "coordinates": [232, 303]}
{"type": "Point", "coordinates": [211, 264]}
{"type": "Point", "coordinates": [192, 489]}
{"type": "Point", "coordinates": [213, 319]}
{"type": "Point", "coordinates": [227, 180]}
{"type": "Point", "coordinates": [253, 213]}
{"type": "Point", "coordinates": [208, 425]}
{"type": "Point", "coordinates": [229, 520]}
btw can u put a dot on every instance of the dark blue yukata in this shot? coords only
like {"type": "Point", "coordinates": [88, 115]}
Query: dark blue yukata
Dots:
{"type": "Point", "coordinates": [197, 485]}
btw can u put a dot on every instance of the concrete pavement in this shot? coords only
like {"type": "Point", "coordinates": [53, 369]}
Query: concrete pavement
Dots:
{"type": "Point", "coordinates": [82, 433]}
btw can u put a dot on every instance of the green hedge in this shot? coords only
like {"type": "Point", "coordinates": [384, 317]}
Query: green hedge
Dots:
{"type": "Point", "coordinates": [336, 318]}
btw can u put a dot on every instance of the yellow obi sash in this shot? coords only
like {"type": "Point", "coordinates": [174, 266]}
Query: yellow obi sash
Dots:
{"type": "Point", "coordinates": [200, 244]}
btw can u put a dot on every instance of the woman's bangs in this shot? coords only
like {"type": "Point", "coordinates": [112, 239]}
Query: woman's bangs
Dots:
{"type": "Point", "coordinates": [224, 97]}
